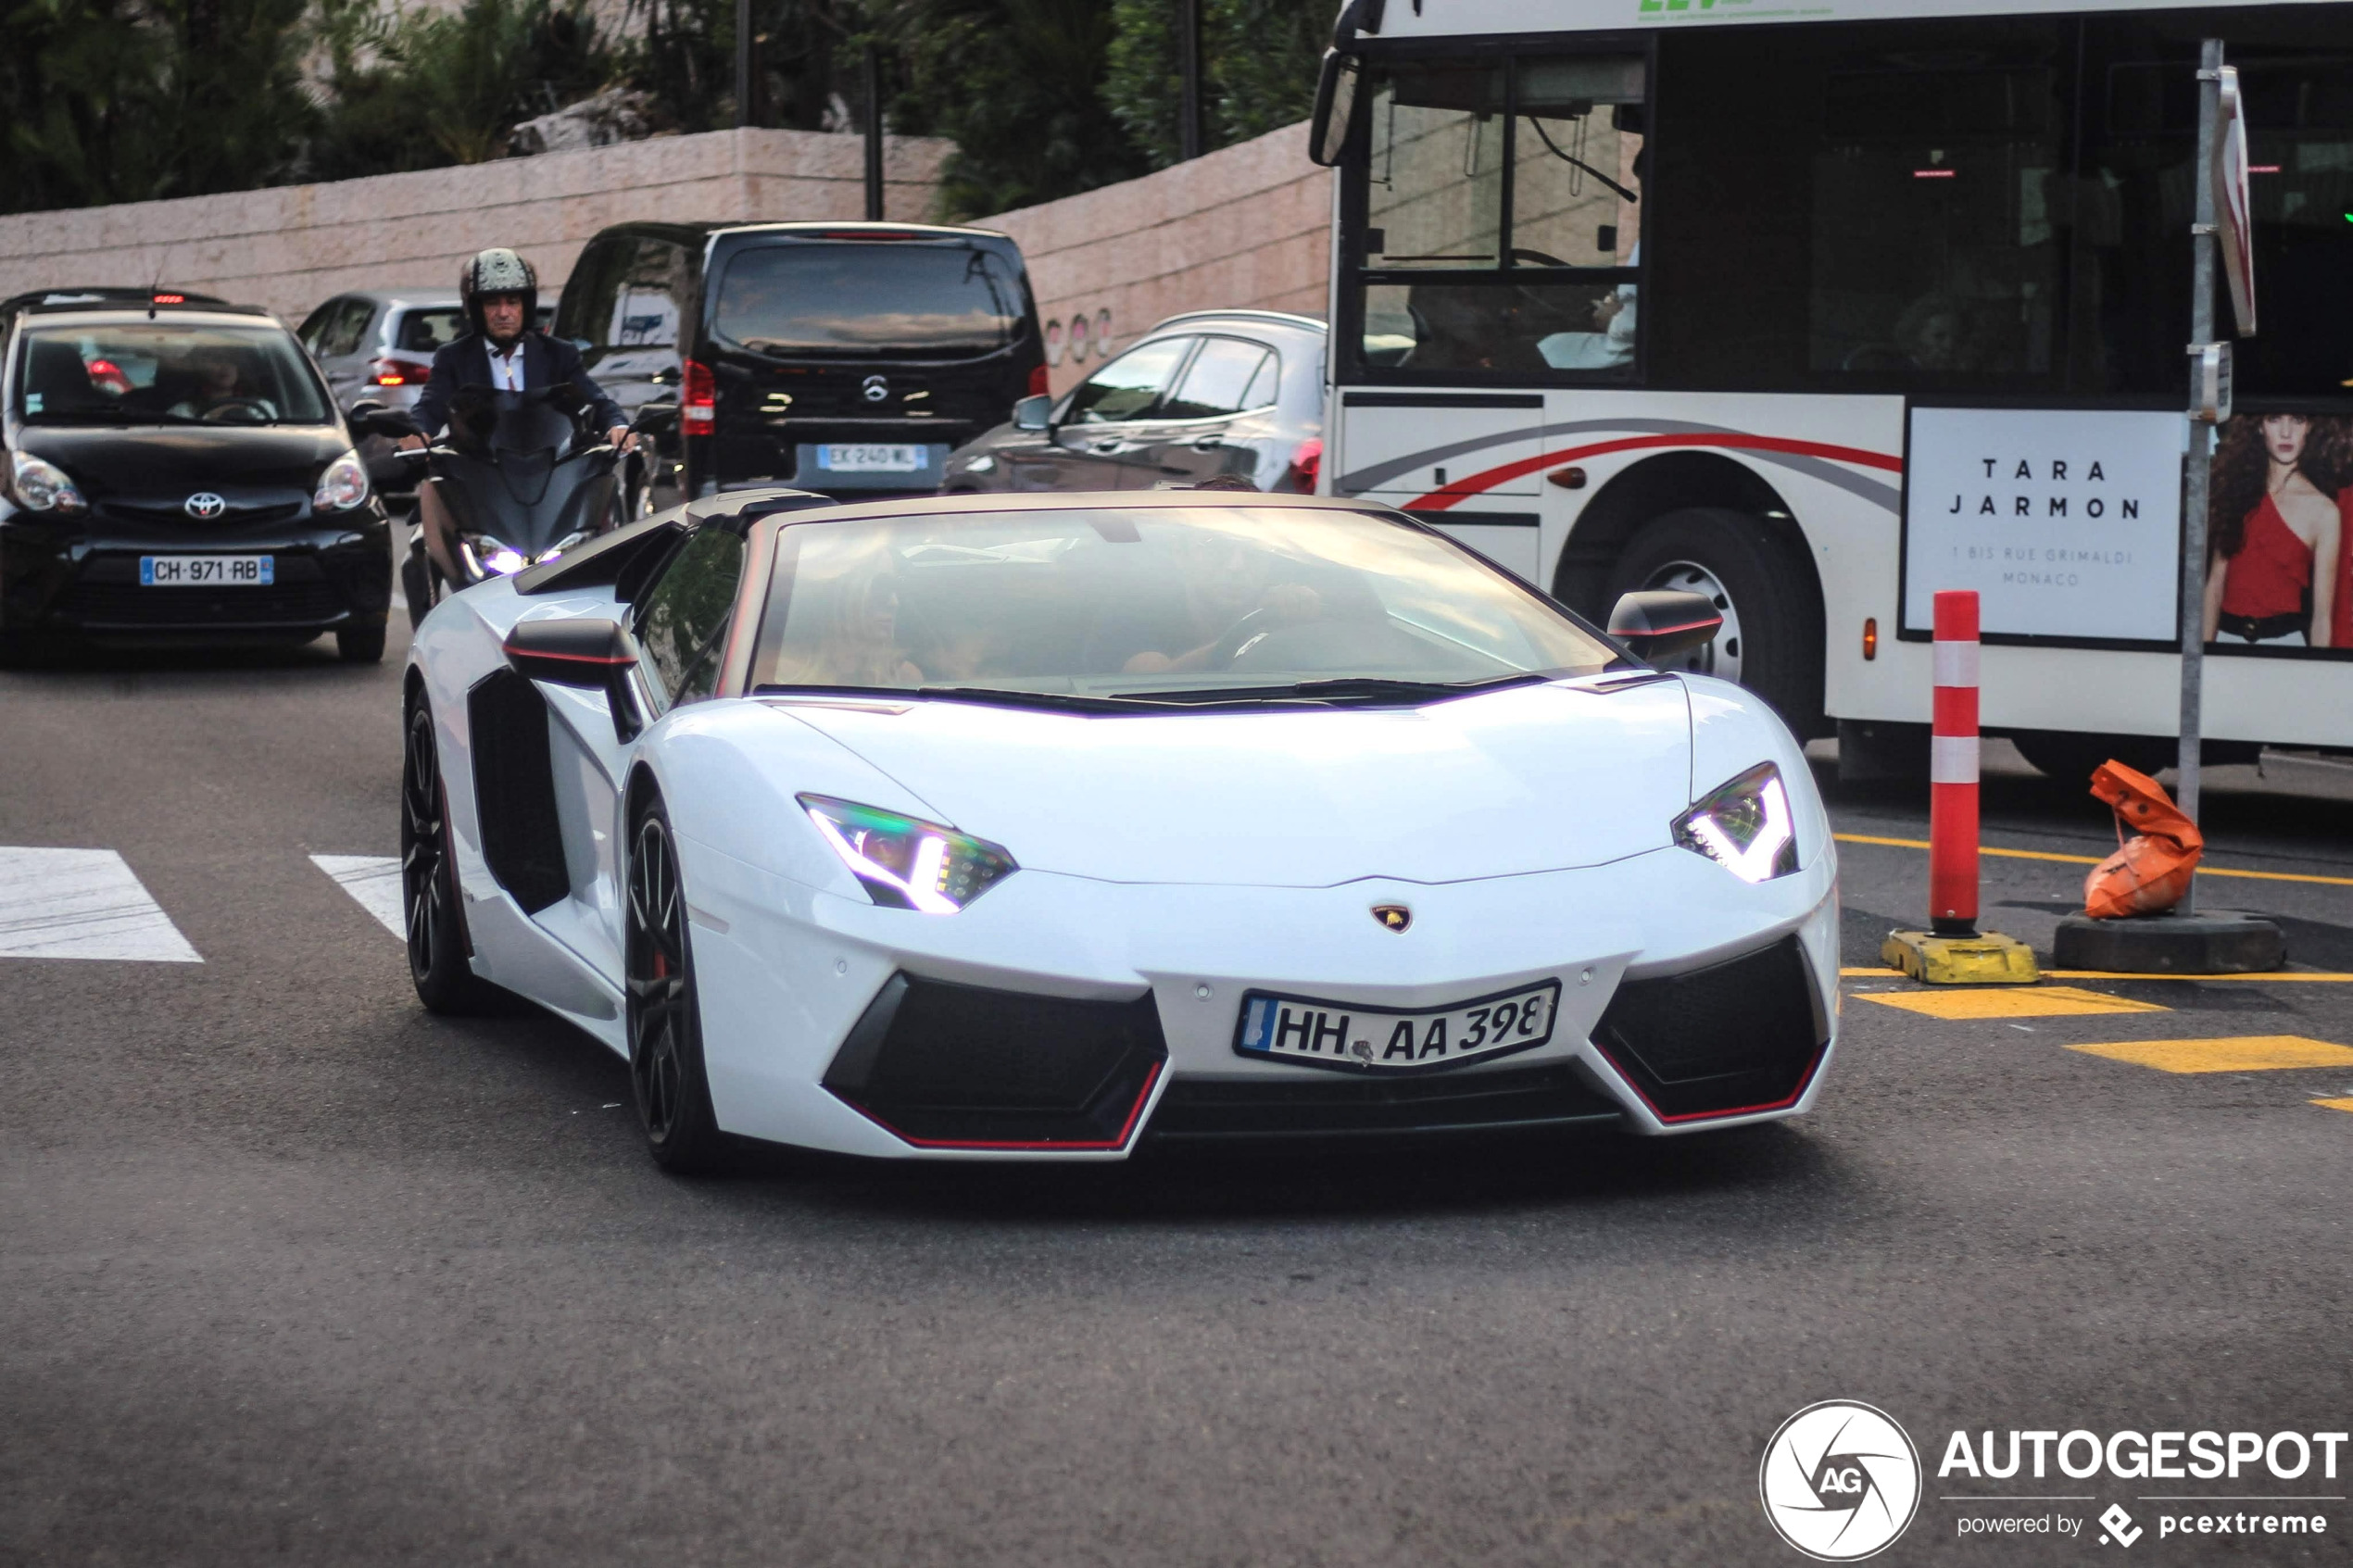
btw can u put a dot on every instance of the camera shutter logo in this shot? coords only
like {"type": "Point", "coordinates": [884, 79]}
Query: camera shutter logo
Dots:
{"type": "Point", "coordinates": [1839, 1480]}
{"type": "Point", "coordinates": [876, 388]}
{"type": "Point", "coordinates": [204, 506]}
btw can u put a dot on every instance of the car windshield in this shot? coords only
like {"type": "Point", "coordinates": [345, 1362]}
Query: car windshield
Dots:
{"type": "Point", "coordinates": [833, 298]}
{"type": "Point", "coordinates": [165, 373]}
{"type": "Point", "coordinates": [1202, 604]}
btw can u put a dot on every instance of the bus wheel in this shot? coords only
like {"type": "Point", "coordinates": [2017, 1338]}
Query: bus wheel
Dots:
{"type": "Point", "coordinates": [1771, 642]}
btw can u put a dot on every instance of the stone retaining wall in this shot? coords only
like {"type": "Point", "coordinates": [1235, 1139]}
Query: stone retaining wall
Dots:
{"type": "Point", "coordinates": [1247, 225]}
{"type": "Point", "coordinates": [291, 247]}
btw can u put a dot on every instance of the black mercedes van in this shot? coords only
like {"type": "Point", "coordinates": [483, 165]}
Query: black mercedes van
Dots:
{"type": "Point", "coordinates": [839, 358]}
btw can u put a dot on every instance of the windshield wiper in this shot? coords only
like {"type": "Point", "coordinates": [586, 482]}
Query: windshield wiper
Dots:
{"type": "Point", "coordinates": [1347, 688]}
{"type": "Point", "coordinates": [1003, 697]}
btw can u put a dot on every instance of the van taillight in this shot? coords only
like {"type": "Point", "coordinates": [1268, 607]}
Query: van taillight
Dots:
{"type": "Point", "coordinates": [1039, 383]}
{"type": "Point", "coordinates": [698, 399]}
{"type": "Point", "coordinates": [1306, 465]}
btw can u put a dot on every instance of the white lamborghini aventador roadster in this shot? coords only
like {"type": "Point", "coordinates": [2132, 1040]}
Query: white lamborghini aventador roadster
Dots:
{"type": "Point", "coordinates": [1047, 826]}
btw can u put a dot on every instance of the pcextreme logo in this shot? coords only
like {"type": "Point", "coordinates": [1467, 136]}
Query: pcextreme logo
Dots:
{"type": "Point", "coordinates": [1839, 1480]}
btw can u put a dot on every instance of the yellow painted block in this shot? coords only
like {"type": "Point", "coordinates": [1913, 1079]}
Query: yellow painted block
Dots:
{"type": "Point", "coordinates": [2039, 1001]}
{"type": "Point", "coordinates": [1987, 959]}
{"type": "Point", "coordinates": [2243, 1053]}
{"type": "Point", "coordinates": [2335, 1103]}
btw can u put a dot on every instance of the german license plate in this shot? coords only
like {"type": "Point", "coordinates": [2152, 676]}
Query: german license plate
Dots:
{"type": "Point", "coordinates": [207, 571]}
{"type": "Point", "coordinates": [1384, 1040]}
{"type": "Point", "coordinates": [843, 457]}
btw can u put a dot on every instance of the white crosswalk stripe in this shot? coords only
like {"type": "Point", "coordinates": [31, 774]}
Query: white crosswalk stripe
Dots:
{"type": "Point", "coordinates": [82, 904]}
{"type": "Point", "coordinates": [373, 879]}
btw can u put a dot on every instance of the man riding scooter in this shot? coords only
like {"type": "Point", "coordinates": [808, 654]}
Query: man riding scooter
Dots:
{"type": "Point", "coordinates": [502, 353]}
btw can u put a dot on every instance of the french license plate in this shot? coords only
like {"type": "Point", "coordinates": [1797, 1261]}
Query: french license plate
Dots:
{"type": "Point", "coordinates": [843, 457]}
{"type": "Point", "coordinates": [1382, 1039]}
{"type": "Point", "coordinates": [207, 571]}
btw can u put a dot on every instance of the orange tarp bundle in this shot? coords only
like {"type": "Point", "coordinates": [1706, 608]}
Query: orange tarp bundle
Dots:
{"type": "Point", "coordinates": [2151, 871]}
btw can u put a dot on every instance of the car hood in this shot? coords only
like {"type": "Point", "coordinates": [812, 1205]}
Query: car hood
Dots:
{"type": "Point", "coordinates": [142, 461]}
{"type": "Point", "coordinates": [1530, 779]}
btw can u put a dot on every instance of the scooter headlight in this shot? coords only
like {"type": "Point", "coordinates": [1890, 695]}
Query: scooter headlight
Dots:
{"type": "Point", "coordinates": [342, 486]}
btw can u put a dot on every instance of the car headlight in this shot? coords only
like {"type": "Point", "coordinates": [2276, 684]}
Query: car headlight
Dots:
{"type": "Point", "coordinates": [42, 487]}
{"type": "Point", "coordinates": [342, 486]}
{"type": "Point", "coordinates": [905, 863]}
{"type": "Point", "coordinates": [1745, 826]}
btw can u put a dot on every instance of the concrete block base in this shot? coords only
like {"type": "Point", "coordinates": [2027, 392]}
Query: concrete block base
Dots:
{"type": "Point", "coordinates": [2171, 944]}
{"type": "Point", "coordinates": [1987, 959]}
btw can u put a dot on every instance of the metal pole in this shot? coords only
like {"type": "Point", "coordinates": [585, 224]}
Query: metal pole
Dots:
{"type": "Point", "coordinates": [2200, 463]}
{"type": "Point", "coordinates": [1191, 141]}
{"type": "Point", "coordinates": [874, 135]}
{"type": "Point", "coordinates": [743, 63]}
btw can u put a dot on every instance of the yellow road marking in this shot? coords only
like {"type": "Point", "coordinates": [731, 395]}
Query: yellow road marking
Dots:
{"type": "Point", "coordinates": [2017, 1001]}
{"type": "Point", "coordinates": [2093, 860]}
{"type": "Point", "coordinates": [2244, 1053]}
{"type": "Point", "coordinates": [2335, 1103]}
{"type": "Point", "coordinates": [1880, 972]}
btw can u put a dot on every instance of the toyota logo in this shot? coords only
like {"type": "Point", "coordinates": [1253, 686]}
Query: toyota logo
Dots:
{"type": "Point", "coordinates": [204, 506]}
{"type": "Point", "coordinates": [877, 388]}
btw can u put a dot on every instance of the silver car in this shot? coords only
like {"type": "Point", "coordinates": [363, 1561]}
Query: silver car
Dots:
{"type": "Point", "coordinates": [1230, 397]}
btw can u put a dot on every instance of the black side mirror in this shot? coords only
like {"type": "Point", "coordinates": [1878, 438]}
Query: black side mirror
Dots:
{"type": "Point", "coordinates": [1034, 413]}
{"type": "Point", "coordinates": [585, 652]}
{"type": "Point", "coordinates": [1660, 622]}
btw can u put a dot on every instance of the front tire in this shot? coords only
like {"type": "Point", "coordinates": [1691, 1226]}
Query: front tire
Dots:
{"type": "Point", "coordinates": [665, 1012]}
{"type": "Point", "coordinates": [1772, 637]}
{"type": "Point", "coordinates": [438, 964]}
{"type": "Point", "coordinates": [360, 644]}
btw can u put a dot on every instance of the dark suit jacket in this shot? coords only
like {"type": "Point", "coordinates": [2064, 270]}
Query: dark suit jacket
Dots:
{"type": "Point", "coordinates": [545, 361]}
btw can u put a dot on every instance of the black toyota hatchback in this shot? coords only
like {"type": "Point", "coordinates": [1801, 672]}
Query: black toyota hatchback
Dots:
{"type": "Point", "coordinates": [838, 358]}
{"type": "Point", "coordinates": [178, 468]}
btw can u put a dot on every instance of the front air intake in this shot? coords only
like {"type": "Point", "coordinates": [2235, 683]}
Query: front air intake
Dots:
{"type": "Point", "coordinates": [947, 1066]}
{"type": "Point", "coordinates": [1735, 1038]}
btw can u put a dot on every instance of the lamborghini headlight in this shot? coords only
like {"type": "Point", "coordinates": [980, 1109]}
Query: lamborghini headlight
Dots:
{"type": "Point", "coordinates": [905, 863]}
{"type": "Point", "coordinates": [1745, 826]}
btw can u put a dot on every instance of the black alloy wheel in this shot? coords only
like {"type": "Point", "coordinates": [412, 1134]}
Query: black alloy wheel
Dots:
{"type": "Point", "coordinates": [664, 1020]}
{"type": "Point", "coordinates": [438, 964]}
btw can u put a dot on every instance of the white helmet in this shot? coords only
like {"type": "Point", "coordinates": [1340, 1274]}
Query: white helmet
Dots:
{"type": "Point", "coordinates": [497, 271]}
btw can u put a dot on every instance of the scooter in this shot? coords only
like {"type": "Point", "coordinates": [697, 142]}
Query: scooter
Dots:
{"type": "Point", "coordinates": [520, 478]}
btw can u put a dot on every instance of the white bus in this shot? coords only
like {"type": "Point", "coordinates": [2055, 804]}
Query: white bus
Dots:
{"type": "Point", "coordinates": [1820, 308]}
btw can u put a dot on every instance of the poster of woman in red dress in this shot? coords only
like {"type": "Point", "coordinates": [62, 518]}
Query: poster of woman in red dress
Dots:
{"type": "Point", "coordinates": [2277, 567]}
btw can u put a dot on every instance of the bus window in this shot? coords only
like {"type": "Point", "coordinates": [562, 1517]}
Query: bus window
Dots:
{"type": "Point", "coordinates": [2132, 203]}
{"type": "Point", "coordinates": [1499, 241]}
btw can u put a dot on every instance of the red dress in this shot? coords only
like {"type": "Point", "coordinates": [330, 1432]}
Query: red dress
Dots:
{"type": "Point", "coordinates": [2272, 568]}
{"type": "Point", "coordinates": [2341, 621]}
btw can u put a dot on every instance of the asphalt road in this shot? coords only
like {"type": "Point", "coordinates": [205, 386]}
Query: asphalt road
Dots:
{"type": "Point", "coordinates": [290, 1271]}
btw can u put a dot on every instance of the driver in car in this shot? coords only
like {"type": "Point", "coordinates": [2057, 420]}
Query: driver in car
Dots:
{"type": "Point", "coordinates": [220, 389]}
{"type": "Point", "coordinates": [1230, 599]}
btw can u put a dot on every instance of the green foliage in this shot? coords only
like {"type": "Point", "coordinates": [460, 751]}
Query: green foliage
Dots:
{"type": "Point", "coordinates": [1016, 84]}
{"type": "Point", "coordinates": [1259, 57]}
{"type": "Point", "coordinates": [416, 89]}
{"type": "Point", "coordinates": [128, 100]}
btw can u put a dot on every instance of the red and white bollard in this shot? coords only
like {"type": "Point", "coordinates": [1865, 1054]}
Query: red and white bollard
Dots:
{"type": "Point", "coordinates": [1951, 770]}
